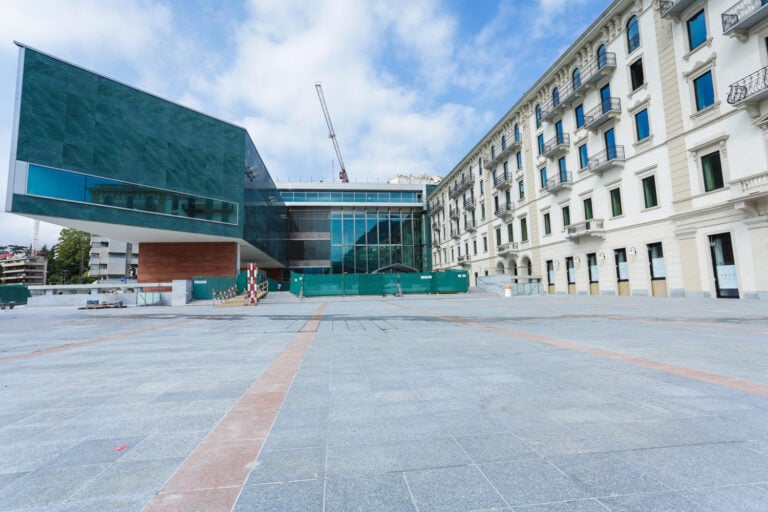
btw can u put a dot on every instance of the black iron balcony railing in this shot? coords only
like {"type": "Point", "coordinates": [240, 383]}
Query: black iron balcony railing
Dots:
{"type": "Point", "coordinates": [753, 87]}
{"type": "Point", "coordinates": [558, 143]}
{"type": "Point", "coordinates": [610, 157]}
{"type": "Point", "coordinates": [437, 204]}
{"type": "Point", "coordinates": [453, 213]}
{"type": "Point", "coordinates": [465, 259]}
{"type": "Point", "coordinates": [470, 225]}
{"type": "Point", "coordinates": [504, 209]}
{"type": "Point", "coordinates": [461, 184]}
{"type": "Point", "coordinates": [469, 203]}
{"type": "Point", "coordinates": [598, 68]}
{"type": "Point", "coordinates": [560, 181]}
{"type": "Point", "coordinates": [601, 113]}
{"type": "Point", "coordinates": [435, 225]}
{"type": "Point", "coordinates": [502, 180]}
{"type": "Point", "coordinates": [455, 233]}
{"type": "Point", "coordinates": [744, 15]}
{"type": "Point", "coordinates": [506, 149]}
{"type": "Point", "coordinates": [673, 7]}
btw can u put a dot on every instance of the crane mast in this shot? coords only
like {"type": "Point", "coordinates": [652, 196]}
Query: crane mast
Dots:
{"type": "Point", "coordinates": [331, 133]}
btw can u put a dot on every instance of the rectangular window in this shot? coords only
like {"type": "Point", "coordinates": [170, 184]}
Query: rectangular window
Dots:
{"type": "Point", "coordinates": [482, 210]}
{"type": "Point", "coordinates": [579, 116]}
{"type": "Point", "coordinates": [588, 208]}
{"type": "Point", "coordinates": [566, 215]}
{"type": "Point", "coordinates": [637, 78]}
{"type": "Point", "coordinates": [649, 192]}
{"type": "Point", "coordinates": [616, 202]}
{"type": "Point", "coordinates": [485, 244]}
{"type": "Point", "coordinates": [547, 224]}
{"type": "Point", "coordinates": [704, 90]}
{"type": "Point", "coordinates": [570, 270]}
{"type": "Point", "coordinates": [543, 176]}
{"type": "Point", "coordinates": [521, 189]}
{"type": "Point", "coordinates": [713, 171]}
{"type": "Point", "coordinates": [482, 187]}
{"type": "Point", "coordinates": [656, 260]}
{"type": "Point", "coordinates": [519, 158]}
{"type": "Point", "coordinates": [540, 142]}
{"type": "Point", "coordinates": [510, 232]}
{"type": "Point", "coordinates": [641, 125]}
{"type": "Point", "coordinates": [474, 247]}
{"type": "Point", "coordinates": [583, 157]}
{"type": "Point", "coordinates": [498, 236]}
{"type": "Point", "coordinates": [506, 170]}
{"type": "Point", "coordinates": [697, 30]}
{"type": "Point", "coordinates": [524, 230]}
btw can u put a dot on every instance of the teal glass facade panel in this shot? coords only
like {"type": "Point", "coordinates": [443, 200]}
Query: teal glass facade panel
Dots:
{"type": "Point", "coordinates": [313, 196]}
{"type": "Point", "coordinates": [71, 186]}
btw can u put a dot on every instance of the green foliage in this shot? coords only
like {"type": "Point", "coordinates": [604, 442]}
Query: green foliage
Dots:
{"type": "Point", "coordinates": [68, 262]}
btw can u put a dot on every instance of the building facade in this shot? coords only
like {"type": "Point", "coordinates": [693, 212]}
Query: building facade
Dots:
{"type": "Point", "coordinates": [112, 259]}
{"type": "Point", "coordinates": [636, 165]}
{"type": "Point", "coordinates": [25, 269]}
{"type": "Point", "coordinates": [356, 228]}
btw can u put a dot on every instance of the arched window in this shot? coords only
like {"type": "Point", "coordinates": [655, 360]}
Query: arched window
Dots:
{"type": "Point", "coordinates": [538, 116]}
{"type": "Point", "coordinates": [601, 56]}
{"type": "Point", "coordinates": [517, 132]}
{"type": "Point", "coordinates": [555, 97]}
{"type": "Point", "coordinates": [633, 34]}
{"type": "Point", "coordinates": [576, 78]}
{"type": "Point", "coordinates": [503, 142]}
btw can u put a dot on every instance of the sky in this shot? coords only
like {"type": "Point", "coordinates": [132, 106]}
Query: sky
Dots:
{"type": "Point", "coordinates": [411, 85]}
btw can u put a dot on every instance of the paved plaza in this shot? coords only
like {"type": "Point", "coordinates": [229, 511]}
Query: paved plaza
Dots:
{"type": "Point", "coordinates": [424, 403]}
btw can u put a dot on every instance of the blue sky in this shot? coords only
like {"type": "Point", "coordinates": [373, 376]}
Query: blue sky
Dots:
{"type": "Point", "coordinates": [411, 84]}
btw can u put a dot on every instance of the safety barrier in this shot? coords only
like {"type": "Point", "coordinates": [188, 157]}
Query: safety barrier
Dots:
{"type": "Point", "coordinates": [13, 294]}
{"type": "Point", "coordinates": [220, 297]}
{"type": "Point", "coordinates": [315, 285]}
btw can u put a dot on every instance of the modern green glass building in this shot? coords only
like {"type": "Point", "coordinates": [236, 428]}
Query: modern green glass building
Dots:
{"type": "Point", "coordinates": [94, 154]}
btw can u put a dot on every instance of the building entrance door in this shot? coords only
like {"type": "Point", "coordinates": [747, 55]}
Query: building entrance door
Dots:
{"type": "Point", "coordinates": [622, 271]}
{"type": "Point", "coordinates": [658, 270]}
{"type": "Point", "coordinates": [550, 277]}
{"type": "Point", "coordinates": [724, 266]}
{"type": "Point", "coordinates": [594, 284]}
{"type": "Point", "coordinates": [571, 274]}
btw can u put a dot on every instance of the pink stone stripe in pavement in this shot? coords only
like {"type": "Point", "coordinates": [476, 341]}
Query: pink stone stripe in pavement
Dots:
{"type": "Point", "coordinates": [211, 478]}
{"type": "Point", "coordinates": [747, 386]}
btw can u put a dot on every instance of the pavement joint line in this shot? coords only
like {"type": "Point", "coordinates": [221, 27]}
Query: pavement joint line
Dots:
{"type": "Point", "coordinates": [747, 386]}
{"type": "Point", "coordinates": [212, 477]}
{"type": "Point", "coordinates": [621, 318]}
{"type": "Point", "coordinates": [85, 343]}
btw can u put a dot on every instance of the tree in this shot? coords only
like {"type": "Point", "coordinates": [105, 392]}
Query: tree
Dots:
{"type": "Point", "coordinates": [71, 256]}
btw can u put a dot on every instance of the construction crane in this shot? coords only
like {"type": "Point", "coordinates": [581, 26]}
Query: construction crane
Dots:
{"type": "Point", "coordinates": [331, 133]}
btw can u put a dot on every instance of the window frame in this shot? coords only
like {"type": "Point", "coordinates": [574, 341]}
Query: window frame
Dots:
{"type": "Point", "coordinates": [689, 37]}
{"type": "Point", "coordinates": [637, 63]}
{"type": "Point", "coordinates": [617, 192]}
{"type": "Point", "coordinates": [696, 101]}
{"type": "Point", "coordinates": [704, 171]}
{"type": "Point", "coordinates": [578, 112]}
{"type": "Point", "coordinates": [547, 224]}
{"type": "Point", "coordinates": [633, 40]}
{"type": "Point", "coordinates": [643, 189]}
{"type": "Point", "coordinates": [583, 156]}
{"type": "Point", "coordinates": [636, 116]}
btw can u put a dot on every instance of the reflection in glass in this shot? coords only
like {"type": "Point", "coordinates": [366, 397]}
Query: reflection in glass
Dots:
{"type": "Point", "coordinates": [82, 188]}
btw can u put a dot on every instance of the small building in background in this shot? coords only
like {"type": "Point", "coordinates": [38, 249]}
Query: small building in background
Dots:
{"type": "Point", "coordinates": [23, 269]}
{"type": "Point", "coordinates": [112, 259]}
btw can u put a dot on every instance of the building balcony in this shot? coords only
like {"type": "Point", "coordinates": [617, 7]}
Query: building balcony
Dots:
{"type": "Point", "coordinates": [557, 146]}
{"type": "Point", "coordinates": [435, 225]}
{"type": "Point", "coordinates": [592, 227]}
{"type": "Point", "coordinates": [752, 187]}
{"type": "Point", "coordinates": [507, 249]}
{"type": "Point", "coordinates": [505, 210]}
{"type": "Point", "coordinates": [750, 89]}
{"type": "Point", "coordinates": [470, 226]}
{"type": "Point", "coordinates": [608, 109]}
{"type": "Point", "coordinates": [469, 203]}
{"type": "Point", "coordinates": [453, 213]}
{"type": "Point", "coordinates": [506, 150]}
{"type": "Point", "coordinates": [742, 16]}
{"type": "Point", "coordinates": [455, 234]}
{"type": "Point", "coordinates": [462, 184]}
{"type": "Point", "coordinates": [503, 180]}
{"type": "Point", "coordinates": [606, 160]}
{"type": "Point", "coordinates": [564, 180]}
{"type": "Point", "coordinates": [437, 204]}
{"type": "Point", "coordinates": [673, 8]}
{"type": "Point", "coordinates": [598, 68]}
{"type": "Point", "coordinates": [465, 260]}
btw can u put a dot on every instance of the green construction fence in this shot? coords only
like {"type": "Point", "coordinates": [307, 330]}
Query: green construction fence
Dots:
{"type": "Point", "coordinates": [317, 285]}
{"type": "Point", "coordinates": [16, 293]}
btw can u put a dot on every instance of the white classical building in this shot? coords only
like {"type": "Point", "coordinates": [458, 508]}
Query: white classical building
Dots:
{"type": "Point", "coordinates": [636, 165]}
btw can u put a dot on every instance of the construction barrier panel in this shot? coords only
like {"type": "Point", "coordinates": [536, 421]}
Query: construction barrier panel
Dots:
{"type": "Point", "coordinates": [278, 286]}
{"type": "Point", "coordinates": [204, 287]}
{"type": "Point", "coordinates": [16, 293]}
{"type": "Point", "coordinates": [318, 285]}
